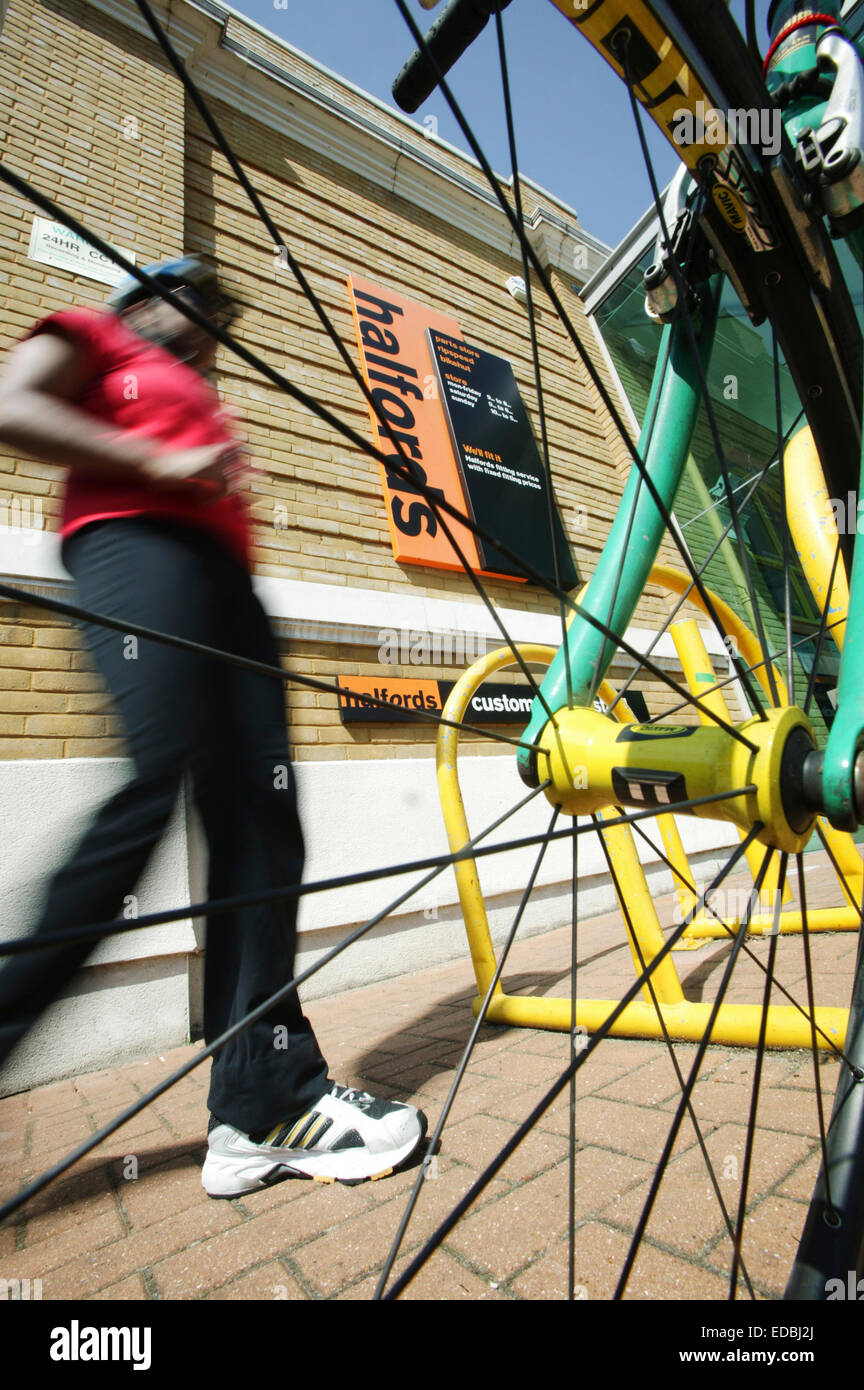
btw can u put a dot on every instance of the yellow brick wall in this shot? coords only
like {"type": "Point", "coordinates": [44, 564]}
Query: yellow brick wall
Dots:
{"type": "Point", "coordinates": [104, 129]}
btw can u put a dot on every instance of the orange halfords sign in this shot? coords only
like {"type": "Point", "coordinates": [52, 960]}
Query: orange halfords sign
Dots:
{"type": "Point", "coordinates": [396, 698]}
{"type": "Point", "coordinates": [392, 334]}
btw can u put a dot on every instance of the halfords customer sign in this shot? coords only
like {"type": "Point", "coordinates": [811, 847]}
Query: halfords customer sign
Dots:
{"type": "Point", "coordinates": [494, 703]}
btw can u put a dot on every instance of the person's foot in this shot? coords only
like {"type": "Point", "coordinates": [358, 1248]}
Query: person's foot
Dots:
{"type": "Point", "coordinates": [348, 1136]}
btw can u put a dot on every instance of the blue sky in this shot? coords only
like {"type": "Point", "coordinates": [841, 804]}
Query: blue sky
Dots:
{"type": "Point", "coordinates": [574, 126]}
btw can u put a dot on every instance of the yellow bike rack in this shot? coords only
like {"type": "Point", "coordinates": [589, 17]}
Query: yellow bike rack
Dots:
{"type": "Point", "coordinates": [682, 1019]}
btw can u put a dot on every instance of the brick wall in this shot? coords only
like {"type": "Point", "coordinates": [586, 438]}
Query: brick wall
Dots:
{"type": "Point", "coordinates": [104, 129]}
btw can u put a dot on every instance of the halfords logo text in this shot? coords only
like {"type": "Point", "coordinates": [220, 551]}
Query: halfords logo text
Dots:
{"type": "Point", "coordinates": [76, 1343]}
{"type": "Point", "coordinates": [708, 126]}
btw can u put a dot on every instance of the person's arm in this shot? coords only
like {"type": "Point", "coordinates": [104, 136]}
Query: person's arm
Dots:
{"type": "Point", "coordinates": [42, 378]}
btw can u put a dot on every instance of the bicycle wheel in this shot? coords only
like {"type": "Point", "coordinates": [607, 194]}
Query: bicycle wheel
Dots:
{"type": "Point", "coordinates": [816, 332]}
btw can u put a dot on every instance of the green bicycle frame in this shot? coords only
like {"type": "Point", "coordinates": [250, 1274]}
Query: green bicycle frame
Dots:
{"type": "Point", "coordinates": [631, 549]}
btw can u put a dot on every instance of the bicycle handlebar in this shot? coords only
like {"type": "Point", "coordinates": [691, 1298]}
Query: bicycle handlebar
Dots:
{"type": "Point", "coordinates": [455, 30]}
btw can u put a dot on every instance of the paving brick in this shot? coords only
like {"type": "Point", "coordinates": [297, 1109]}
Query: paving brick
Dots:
{"type": "Point", "coordinates": [476, 1141]}
{"type": "Point", "coordinates": [54, 1100]}
{"type": "Point", "coordinates": [84, 1235]}
{"type": "Point", "coordinates": [132, 1288]}
{"type": "Point", "coordinates": [91, 1272]}
{"type": "Point", "coordinates": [599, 1253]}
{"type": "Point", "coordinates": [505, 1234]}
{"type": "Point", "coordinates": [686, 1213]}
{"type": "Point", "coordinates": [191, 1272]}
{"type": "Point", "coordinates": [158, 1194]}
{"type": "Point", "coordinates": [770, 1242]}
{"type": "Point", "coordinates": [631, 1129]}
{"type": "Point", "coordinates": [328, 1240]}
{"type": "Point", "coordinates": [63, 1215]}
{"type": "Point", "coordinates": [650, 1084]}
{"type": "Point", "coordinates": [799, 1184]}
{"type": "Point", "coordinates": [442, 1278]}
{"type": "Point", "coordinates": [341, 1255]}
{"type": "Point", "coordinates": [271, 1283]}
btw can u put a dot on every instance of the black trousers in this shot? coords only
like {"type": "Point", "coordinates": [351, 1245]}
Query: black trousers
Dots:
{"type": "Point", "coordinates": [226, 727]}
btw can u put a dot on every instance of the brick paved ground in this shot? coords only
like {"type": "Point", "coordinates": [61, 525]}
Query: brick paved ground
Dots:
{"type": "Point", "coordinates": [102, 1233]}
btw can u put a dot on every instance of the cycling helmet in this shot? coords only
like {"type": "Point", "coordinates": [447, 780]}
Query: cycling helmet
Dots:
{"type": "Point", "coordinates": [186, 273]}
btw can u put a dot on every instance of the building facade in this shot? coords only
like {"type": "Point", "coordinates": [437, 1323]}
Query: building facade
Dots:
{"type": "Point", "coordinates": [99, 123]}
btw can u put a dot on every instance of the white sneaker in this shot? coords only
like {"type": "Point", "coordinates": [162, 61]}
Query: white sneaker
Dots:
{"type": "Point", "coordinates": [348, 1136]}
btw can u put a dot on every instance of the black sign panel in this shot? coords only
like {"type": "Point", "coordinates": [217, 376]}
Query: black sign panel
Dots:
{"type": "Point", "coordinates": [493, 703]}
{"type": "Point", "coordinates": [502, 471]}
{"type": "Point", "coordinates": [496, 702]}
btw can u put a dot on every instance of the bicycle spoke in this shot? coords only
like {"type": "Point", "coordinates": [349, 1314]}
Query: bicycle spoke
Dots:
{"type": "Point", "coordinates": [299, 890]}
{"type": "Point", "coordinates": [682, 599]}
{"type": "Point", "coordinates": [72, 610]}
{"type": "Point", "coordinates": [435, 1140]}
{"type": "Point", "coordinates": [737, 1258]}
{"type": "Point", "coordinates": [786, 538]}
{"type": "Point", "coordinates": [532, 328]}
{"type": "Point", "coordinates": [777, 984]}
{"type": "Point", "coordinates": [404, 470]}
{"type": "Point", "coordinates": [817, 1079]}
{"type": "Point", "coordinates": [850, 896]}
{"type": "Point", "coordinates": [824, 626]}
{"type": "Point", "coordinates": [554, 299]}
{"type": "Point", "coordinates": [574, 1049]}
{"type": "Point", "coordinates": [11, 1206]}
{"type": "Point", "coordinates": [634, 939]}
{"type": "Point", "coordinates": [695, 701]}
{"type": "Point", "coordinates": [702, 1048]}
{"type": "Point", "coordinates": [442, 1231]}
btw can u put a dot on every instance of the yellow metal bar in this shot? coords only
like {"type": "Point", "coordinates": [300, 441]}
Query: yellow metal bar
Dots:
{"type": "Point", "coordinates": [736, 1025]}
{"type": "Point", "coordinates": [667, 577]}
{"type": "Point", "coordinates": [637, 906]}
{"type": "Point", "coordinates": [813, 524]}
{"type": "Point", "coordinates": [681, 1019]}
{"type": "Point", "coordinates": [762, 924]}
{"type": "Point", "coordinates": [846, 852]}
{"type": "Point", "coordinates": [453, 807]}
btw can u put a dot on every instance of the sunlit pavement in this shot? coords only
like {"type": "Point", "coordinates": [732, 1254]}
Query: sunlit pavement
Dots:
{"type": "Point", "coordinates": [131, 1221]}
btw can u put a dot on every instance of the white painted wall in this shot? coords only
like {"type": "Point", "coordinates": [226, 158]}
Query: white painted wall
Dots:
{"type": "Point", "coordinates": [142, 989]}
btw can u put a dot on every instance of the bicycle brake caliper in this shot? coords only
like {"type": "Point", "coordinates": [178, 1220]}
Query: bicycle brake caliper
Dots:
{"type": "Point", "coordinates": [833, 154]}
{"type": "Point", "coordinates": [661, 285]}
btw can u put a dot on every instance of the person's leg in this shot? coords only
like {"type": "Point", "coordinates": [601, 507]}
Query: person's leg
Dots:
{"type": "Point", "coordinates": [273, 1070]}
{"type": "Point", "coordinates": [273, 1079]}
{"type": "Point", "coordinates": [145, 574]}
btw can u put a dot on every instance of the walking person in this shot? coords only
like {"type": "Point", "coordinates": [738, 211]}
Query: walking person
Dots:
{"type": "Point", "coordinates": [155, 532]}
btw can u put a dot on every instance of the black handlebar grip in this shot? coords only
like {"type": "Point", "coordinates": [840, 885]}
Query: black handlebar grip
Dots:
{"type": "Point", "coordinates": [456, 28]}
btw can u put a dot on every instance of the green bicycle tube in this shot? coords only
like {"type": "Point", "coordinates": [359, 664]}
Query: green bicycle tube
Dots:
{"type": "Point", "coordinates": [847, 731]}
{"type": "Point", "coordinates": [678, 396]}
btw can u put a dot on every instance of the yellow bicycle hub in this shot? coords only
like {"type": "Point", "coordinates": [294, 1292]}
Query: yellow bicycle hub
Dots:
{"type": "Point", "coordinates": [594, 762]}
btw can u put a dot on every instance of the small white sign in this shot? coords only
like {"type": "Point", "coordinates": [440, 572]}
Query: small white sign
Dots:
{"type": "Point", "coordinates": [52, 243]}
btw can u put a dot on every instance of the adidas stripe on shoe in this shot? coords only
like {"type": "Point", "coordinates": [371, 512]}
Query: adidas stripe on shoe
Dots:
{"type": "Point", "coordinates": [347, 1136]}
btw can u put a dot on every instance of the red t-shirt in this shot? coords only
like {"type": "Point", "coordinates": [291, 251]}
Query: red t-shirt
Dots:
{"type": "Point", "coordinates": [139, 387]}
